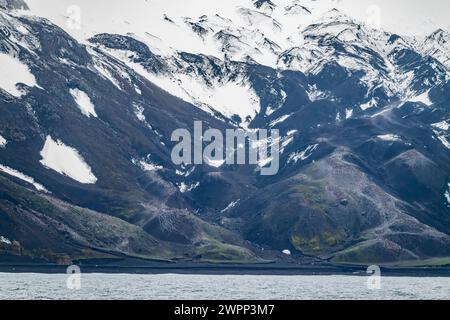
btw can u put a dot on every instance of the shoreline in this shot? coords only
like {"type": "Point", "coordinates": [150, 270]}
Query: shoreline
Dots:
{"type": "Point", "coordinates": [208, 269]}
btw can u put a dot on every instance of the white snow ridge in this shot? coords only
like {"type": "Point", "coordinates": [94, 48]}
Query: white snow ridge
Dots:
{"type": "Point", "coordinates": [67, 161]}
{"type": "Point", "coordinates": [5, 240]}
{"type": "Point", "coordinates": [423, 98]}
{"type": "Point", "coordinates": [389, 137]}
{"type": "Point", "coordinates": [3, 142]}
{"type": "Point", "coordinates": [443, 125]}
{"type": "Point", "coordinates": [447, 194]}
{"type": "Point", "coordinates": [14, 72]}
{"type": "Point", "coordinates": [302, 155]}
{"type": "Point", "coordinates": [147, 165]}
{"type": "Point", "coordinates": [83, 101]}
{"type": "Point", "coordinates": [19, 175]}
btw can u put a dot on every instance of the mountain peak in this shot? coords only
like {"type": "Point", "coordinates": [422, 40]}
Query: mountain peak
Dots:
{"type": "Point", "coordinates": [297, 8]}
{"type": "Point", "coordinates": [335, 15]}
{"type": "Point", "coordinates": [327, 24]}
{"type": "Point", "coordinates": [13, 5]}
{"type": "Point", "coordinates": [334, 11]}
{"type": "Point", "coordinates": [439, 31]}
{"type": "Point", "coordinates": [440, 35]}
{"type": "Point", "coordinates": [262, 3]}
{"type": "Point", "coordinates": [265, 5]}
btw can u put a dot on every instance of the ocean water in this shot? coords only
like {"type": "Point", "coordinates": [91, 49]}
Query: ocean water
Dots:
{"type": "Point", "coordinates": [175, 287]}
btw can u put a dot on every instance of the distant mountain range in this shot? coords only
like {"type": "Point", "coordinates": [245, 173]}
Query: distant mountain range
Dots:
{"type": "Point", "coordinates": [85, 126]}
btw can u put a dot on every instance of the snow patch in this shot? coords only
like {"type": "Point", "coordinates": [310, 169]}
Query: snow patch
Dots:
{"type": "Point", "coordinates": [447, 194]}
{"type": "Point", "coordinates": [5, 240]}
{"type": "Point", "coordinates": [315, 94]}
{"type": "Point", "coordinates": [214, 163]}
{"type": "Point", "coordinates": [23, 30]}
{"type": "Point", "coordinates": [440, 130]}
{"type": "Point", "coordinates": [147, 166]}
{"type": "Point", "coordinates": [422, 98]}
{"type": "Point", "coordinates": [13, 73]}
{"type": "Point", "coordinates": [348, 113]}
{"type": "Point", "coordinates": [338, 117]}
{"type": "Point", "coordinates": [139, 113]}
{"type": "Point", "coordinates": [442, 138]}
{"type": "Point", "coordinates": [150, 166]}
{"type": "Point", "coordinates": [280, 120]}
{"type": "Point", "coordinates": [265, 162]}
{"type": "Point", "coordinates": [230, 206]}
{"type": "Point", "coordinates": [3, 142]}
{"type": "Point", "coordinates": [286, 141]}
{"type": "Point", "coordinates": [389, 137]}
{"type": "Point", "coordinates": [83, 101]}
{"type": "Point", "coordinates": [302, 155]}
{"type": "Point", "coordinates": [183, 187]}
{"type": "Point", "coordinates": [230, 98]}
{"type": "Point", "coordinates": [23, 177]}
{"type": "Point", "coordinates": [291, 133]}
{"type": "Point", "coordinates": [105, 73]}
{"type": "Point", "coordinates": [372, 103]}
{"type": "Point", "coordinates": [444, 125]}
{"type": "Point", "coordinates": [185, 173]}
{"type": "Point", "coordinates": [66, 161]}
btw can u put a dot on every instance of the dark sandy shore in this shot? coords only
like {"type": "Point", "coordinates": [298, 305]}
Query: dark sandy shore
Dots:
{"type": "Point", "coordinates": [216, 269]}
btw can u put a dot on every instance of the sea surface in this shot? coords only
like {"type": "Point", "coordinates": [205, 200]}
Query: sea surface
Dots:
{"type": "Point", "coordinates": [187, 287]}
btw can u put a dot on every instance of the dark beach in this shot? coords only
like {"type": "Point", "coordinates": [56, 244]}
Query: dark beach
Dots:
{"type": "Point", "coordinates": [127, 267]}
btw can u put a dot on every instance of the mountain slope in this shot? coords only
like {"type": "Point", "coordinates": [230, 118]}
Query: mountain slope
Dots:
{"type": "Point", "coordinates": [134, 177]}
{"type": "Point", "coordinates": [85, 135]}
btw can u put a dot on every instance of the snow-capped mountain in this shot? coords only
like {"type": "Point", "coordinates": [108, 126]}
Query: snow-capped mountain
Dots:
{"type": "Point", "coordinates": [437, 45]}
{"type": "Point", "coordinates": [13, 5]}
{"type": "Point", "coordinates": [285, 34]}
{"type": "Point", "coordinates": [87, 115]}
